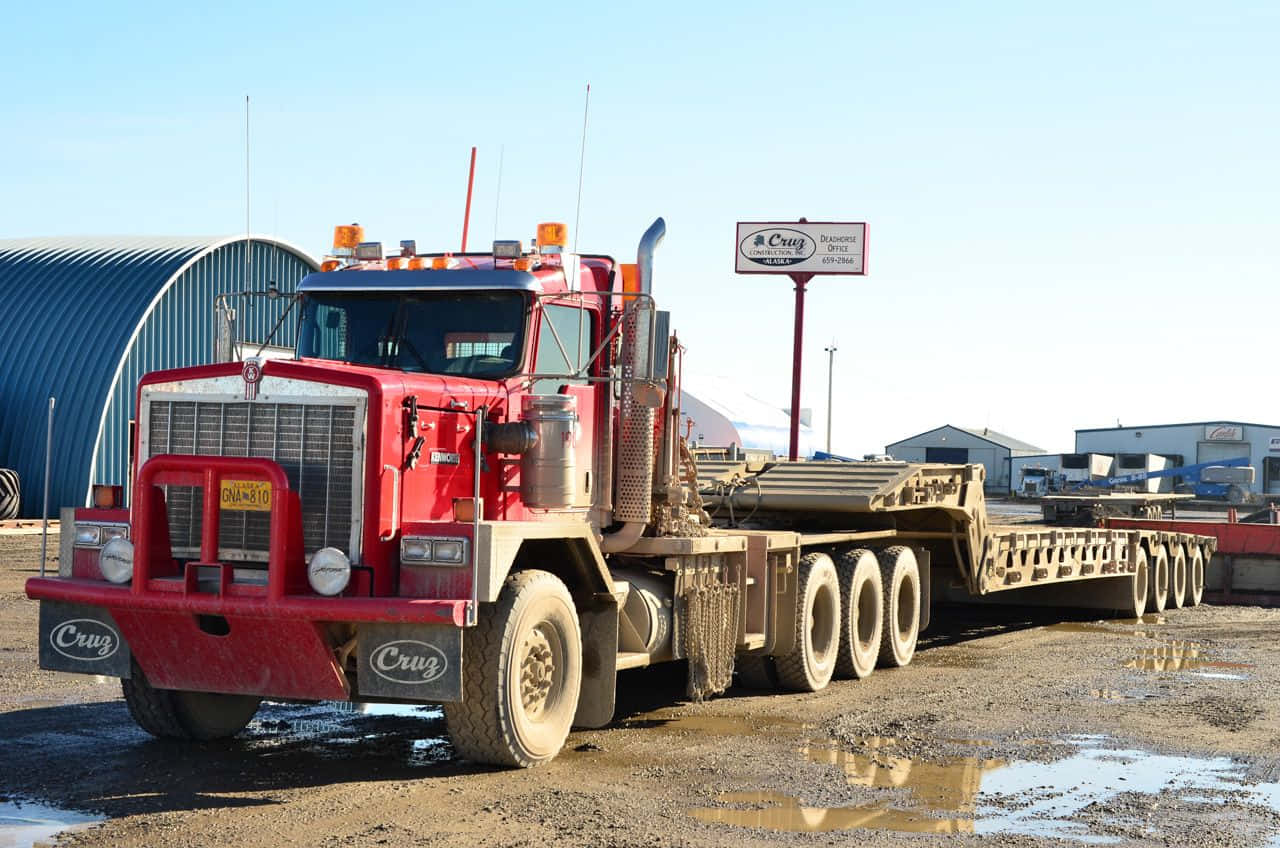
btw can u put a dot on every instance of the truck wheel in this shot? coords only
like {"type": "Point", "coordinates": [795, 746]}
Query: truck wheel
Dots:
{"type": "Point", "coordinates": [808, 666]}
{"type": "Point", "coordinates": [756, 671]}
{"type": "Point", "coordinates": [900, 577]}
{"type": "Point", "coordinates": [1135, 603]}
{"type": "Point", "coordinates": [861, 601]}
{"type": "Point", "coordinates": [1195, 576]}
{"type": "Point", "coordinates": [10, 494]}
{"type": "Point", "coordinates": [175, 714]}
{"type": "Point", "coordinates": [522, 671]}
{"type": "Point", "coordinates": [1158, 592]}
{"type": "Point", "coordinates": [1177, 577]}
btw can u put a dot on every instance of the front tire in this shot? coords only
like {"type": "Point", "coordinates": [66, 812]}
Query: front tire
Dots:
{"type": "Point", "coordinates": [522, 672]}
{"type": "Point", "coordinates": [193, 716]}
{"type": "Point", "coordinates": [808, 666]}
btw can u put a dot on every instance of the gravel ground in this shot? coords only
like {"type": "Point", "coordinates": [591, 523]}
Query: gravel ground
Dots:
{"type": "Point", "coordinates": [1013, 727]}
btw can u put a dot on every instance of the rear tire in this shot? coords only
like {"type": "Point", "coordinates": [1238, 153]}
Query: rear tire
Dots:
{"type": "Point", "coordinates": [1177, 577]}
{"type": "Point", "coordinates": [10, 494]}
{"type": "Point", "coordinates": [900, 625]}
{"type": "Point", "coordinates": [808, 666]}
{"type": "Point", "coordinates": [1136, 602]}
{"type": "Point", "coordinates": [176, 714]}
{"type": "Point", "coordinates": [1158, 592]}
{"type": "Point", "coordinates": [861, 604]}
{"type": "Point", "coordinates": [522, 673]}
{"type": "Point", "coordinates": [1195, 576]}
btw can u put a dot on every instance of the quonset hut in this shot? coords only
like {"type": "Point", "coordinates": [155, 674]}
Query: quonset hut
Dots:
{"type": "Point", "coordinates": [81, 319]}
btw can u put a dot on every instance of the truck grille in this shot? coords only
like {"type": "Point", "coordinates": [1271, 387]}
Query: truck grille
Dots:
{"type": "Point", "coordinates": [314, 443]}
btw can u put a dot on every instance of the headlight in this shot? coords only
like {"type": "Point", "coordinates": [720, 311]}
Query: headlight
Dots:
{"type": "Point", "coordinates": [448, 550]}
{"type": "Point", "coordinates": [116, 560]}
{"type": "Point", "coordinates": [88, 535]}
{"type": "Point", "coordinates": [415, 550]}
{"type": "Point", "coordinates": [114, 531]}
{"type": "Point", "coordinates": [426, 550]}
{"type": "Point", "coordinates": [329, 571]}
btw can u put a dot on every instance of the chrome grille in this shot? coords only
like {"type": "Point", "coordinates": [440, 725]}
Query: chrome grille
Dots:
{"type": "Point", "coordinates": [314, 443]}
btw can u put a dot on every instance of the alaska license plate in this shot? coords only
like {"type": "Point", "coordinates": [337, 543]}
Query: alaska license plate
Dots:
{"type": "Point", "coordinates": [251, 495]}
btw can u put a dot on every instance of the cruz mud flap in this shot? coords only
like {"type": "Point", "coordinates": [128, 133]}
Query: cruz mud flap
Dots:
{"type": "Point", "coordinates": [81, 639]}
{"type": "Point", "coordinates": [419, 662]}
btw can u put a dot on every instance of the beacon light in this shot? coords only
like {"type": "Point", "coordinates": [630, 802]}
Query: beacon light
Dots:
{"type": "Point", "coordinates": [552, 235]}
{"type": "Point", "coordinates": [346, 238]}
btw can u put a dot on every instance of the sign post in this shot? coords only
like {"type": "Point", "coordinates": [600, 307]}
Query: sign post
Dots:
{"type": "Point", "coordinates": [801, 250]}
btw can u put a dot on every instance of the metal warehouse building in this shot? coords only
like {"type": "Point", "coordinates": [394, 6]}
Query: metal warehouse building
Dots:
{"type": "Point", "coordinates": [960, 445]}
{"type": "Point", "coordinates": [84, 318]}
{"type": "Point", "coordinates": [1201, 441]}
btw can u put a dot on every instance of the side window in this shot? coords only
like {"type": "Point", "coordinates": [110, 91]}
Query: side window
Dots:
{"type": "Point", "coordinates": [573, 329]}
{"type": "Point", "coordinates": [331, 332]}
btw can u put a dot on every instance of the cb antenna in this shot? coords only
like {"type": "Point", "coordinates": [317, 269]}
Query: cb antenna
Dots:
{"type": "Point", "coordinates": [497, 199]}
{"type": "Point", "coordinates": [247, 230]}
{"type": "Point", "coordinates": [582, 160]}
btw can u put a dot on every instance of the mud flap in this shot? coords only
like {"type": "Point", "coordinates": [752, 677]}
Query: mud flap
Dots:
{"type": "Point", "coordinates": [417, 662]}
{"type": "Point", "coordinates": [599, 666]}
{"type": "Point", "coordinates": [81, 639]}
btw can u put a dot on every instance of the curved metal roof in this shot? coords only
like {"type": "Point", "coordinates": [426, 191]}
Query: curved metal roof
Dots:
{"type": "Point", "coordinates": [71, 309]}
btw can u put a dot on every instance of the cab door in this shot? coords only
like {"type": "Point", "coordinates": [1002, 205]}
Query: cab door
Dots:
{"type": "Point", "coordinates": [566, 335]}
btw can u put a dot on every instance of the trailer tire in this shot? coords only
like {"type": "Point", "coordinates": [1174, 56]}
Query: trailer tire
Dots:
{"type": "Point", "coordinates": [861, 602]}
{"type": "Point", "coordinates": [1195, 576]}
{"type": "Point", "coordinates": [176, 714]}
{"type": "Point", "coordinates": [1158, 591]}
{"type": "Point", "coordinates": [756, 671]}
{"type": "Point", "coordinates": [10, 494]}
{"type": "Point", "coordinates": [900, 578]}
{"type": "Point", "coordinates": [1135, 603]}
{"type": "Point", "coordinates": [522, 673]}
{"type": "Point", "coordinates": [808, 666]}
{"type": "Point", "coordinates": [1177, 577]}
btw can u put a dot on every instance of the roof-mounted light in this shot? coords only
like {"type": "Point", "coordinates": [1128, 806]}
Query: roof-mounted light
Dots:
{"type": "Point", "coordinates": [408, 247]}
{"type": "Point", "coordinates": [419, 263]}
{"type": "Point", "coordinates": [397, 263]}
{"type": "Point", "coordinates": [552, 237]}
{"type": "Point", "coordinates": [369, 251]}
{"type": "Point", "coordinates": [442, 263]}
{"type": "Point", "coordinates": [346, 238]}
{"type": "Point", "coordinates": [507, 249]}
{"type": "Point", "coordinates": [330, 265]}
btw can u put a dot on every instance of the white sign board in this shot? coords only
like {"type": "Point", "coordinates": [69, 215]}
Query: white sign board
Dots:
{"type": "Point", "coordinates": [787, 247]}
{"type": "Point", "coordinates": [1223, 433]}
{"type": "Point", "coordinates": [1275, 443]}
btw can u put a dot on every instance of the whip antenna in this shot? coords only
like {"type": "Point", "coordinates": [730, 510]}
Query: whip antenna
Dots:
{"type": "Point", "coordinates": [582, 160]}
{"type": "Point", "coordinates": [497, 199]}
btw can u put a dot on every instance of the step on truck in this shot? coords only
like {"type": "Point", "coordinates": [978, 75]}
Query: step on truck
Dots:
{"type": "Point", "coordinates": [468, 487]}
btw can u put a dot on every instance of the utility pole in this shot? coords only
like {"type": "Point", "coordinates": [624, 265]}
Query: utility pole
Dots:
{"type": "Point", "coordinates": [831, 361]}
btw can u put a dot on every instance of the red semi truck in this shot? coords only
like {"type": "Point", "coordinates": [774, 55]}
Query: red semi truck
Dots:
{"type": "Point", "coordinates": [468, 487]}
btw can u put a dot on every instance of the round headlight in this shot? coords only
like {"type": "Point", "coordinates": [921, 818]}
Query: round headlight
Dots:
{"type": "Point", "coordinates": [329, 571]}
{"type": "Point", "coordinates": [116, 560]}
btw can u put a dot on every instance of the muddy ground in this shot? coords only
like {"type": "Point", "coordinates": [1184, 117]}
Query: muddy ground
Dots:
{"type": "Point", "coordinates": [1013, 726]}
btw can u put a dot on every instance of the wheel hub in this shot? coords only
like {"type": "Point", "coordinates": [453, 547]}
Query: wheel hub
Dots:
{"type": "Point", "coordinates": [537, 673]}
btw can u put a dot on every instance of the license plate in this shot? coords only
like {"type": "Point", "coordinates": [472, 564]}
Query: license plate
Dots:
{"type": "Point", "coordinates": [250, 495]}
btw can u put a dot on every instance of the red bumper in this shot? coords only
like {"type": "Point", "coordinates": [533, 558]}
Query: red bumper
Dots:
{"type": "Point", "coordinates": [194, 634]}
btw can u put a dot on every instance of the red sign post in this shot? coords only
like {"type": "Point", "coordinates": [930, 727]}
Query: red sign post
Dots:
{"type": "Point", "coordinates": [801, 250]}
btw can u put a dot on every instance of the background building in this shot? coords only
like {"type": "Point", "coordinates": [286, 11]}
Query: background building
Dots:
{"type": "Point", "coordinates": [1194, 443]}
{"type": "Point", "coordinates": [723, 414]}
{"type": "Point", "coordinates": [84, 318]}
{"type": "Point", "coordinates": [952, 444]}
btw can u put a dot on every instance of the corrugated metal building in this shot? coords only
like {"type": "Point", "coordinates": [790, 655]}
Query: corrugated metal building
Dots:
{"type": "Point", "coordinates": [82, 319]}
{"type": "Point", "coordinates": [952, 444]}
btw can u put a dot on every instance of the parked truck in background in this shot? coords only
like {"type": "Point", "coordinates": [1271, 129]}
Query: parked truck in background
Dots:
{"type": "Point", "coordinates": [469, 487]}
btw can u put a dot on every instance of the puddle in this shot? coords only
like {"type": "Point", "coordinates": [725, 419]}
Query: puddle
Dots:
{"type": "Point", "coordinates": [26, 823]}
{"type": "Point", "coordinates": [982, 796]}
{"type": "Point", "coordinates": [1176, 655]}
{"type": "Point", "coordinates": [329, 729]}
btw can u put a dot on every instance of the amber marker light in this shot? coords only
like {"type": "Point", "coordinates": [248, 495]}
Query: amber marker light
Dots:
{"type": "Point", "coordinates": [464, 510]}
{"type": "Point", "coordinates": [439, 263]}
{"type": "Point", "coordinates": [330, 265]}
{"type": "Point", "coordinates": [524, 263]}
{"type": "Point", "coordinates": [552, 234]}
{"type": "Point", "coordinates": [630, 278]}
{"type": "Point", "coordinates": [397, 263]}
{"type": "Point", "coordinates": [418, 263]}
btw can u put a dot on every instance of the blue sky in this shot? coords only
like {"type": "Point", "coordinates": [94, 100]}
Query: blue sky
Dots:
{"type": "Point", "coordinates": [1072, 208]}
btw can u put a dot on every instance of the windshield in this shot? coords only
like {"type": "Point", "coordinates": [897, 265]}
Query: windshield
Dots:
{"type": "Point", "coordinates": [478, 334]}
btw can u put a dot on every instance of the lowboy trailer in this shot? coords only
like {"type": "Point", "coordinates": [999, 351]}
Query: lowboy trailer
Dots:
{"type": "Point", "coordinates": [468, 487]}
